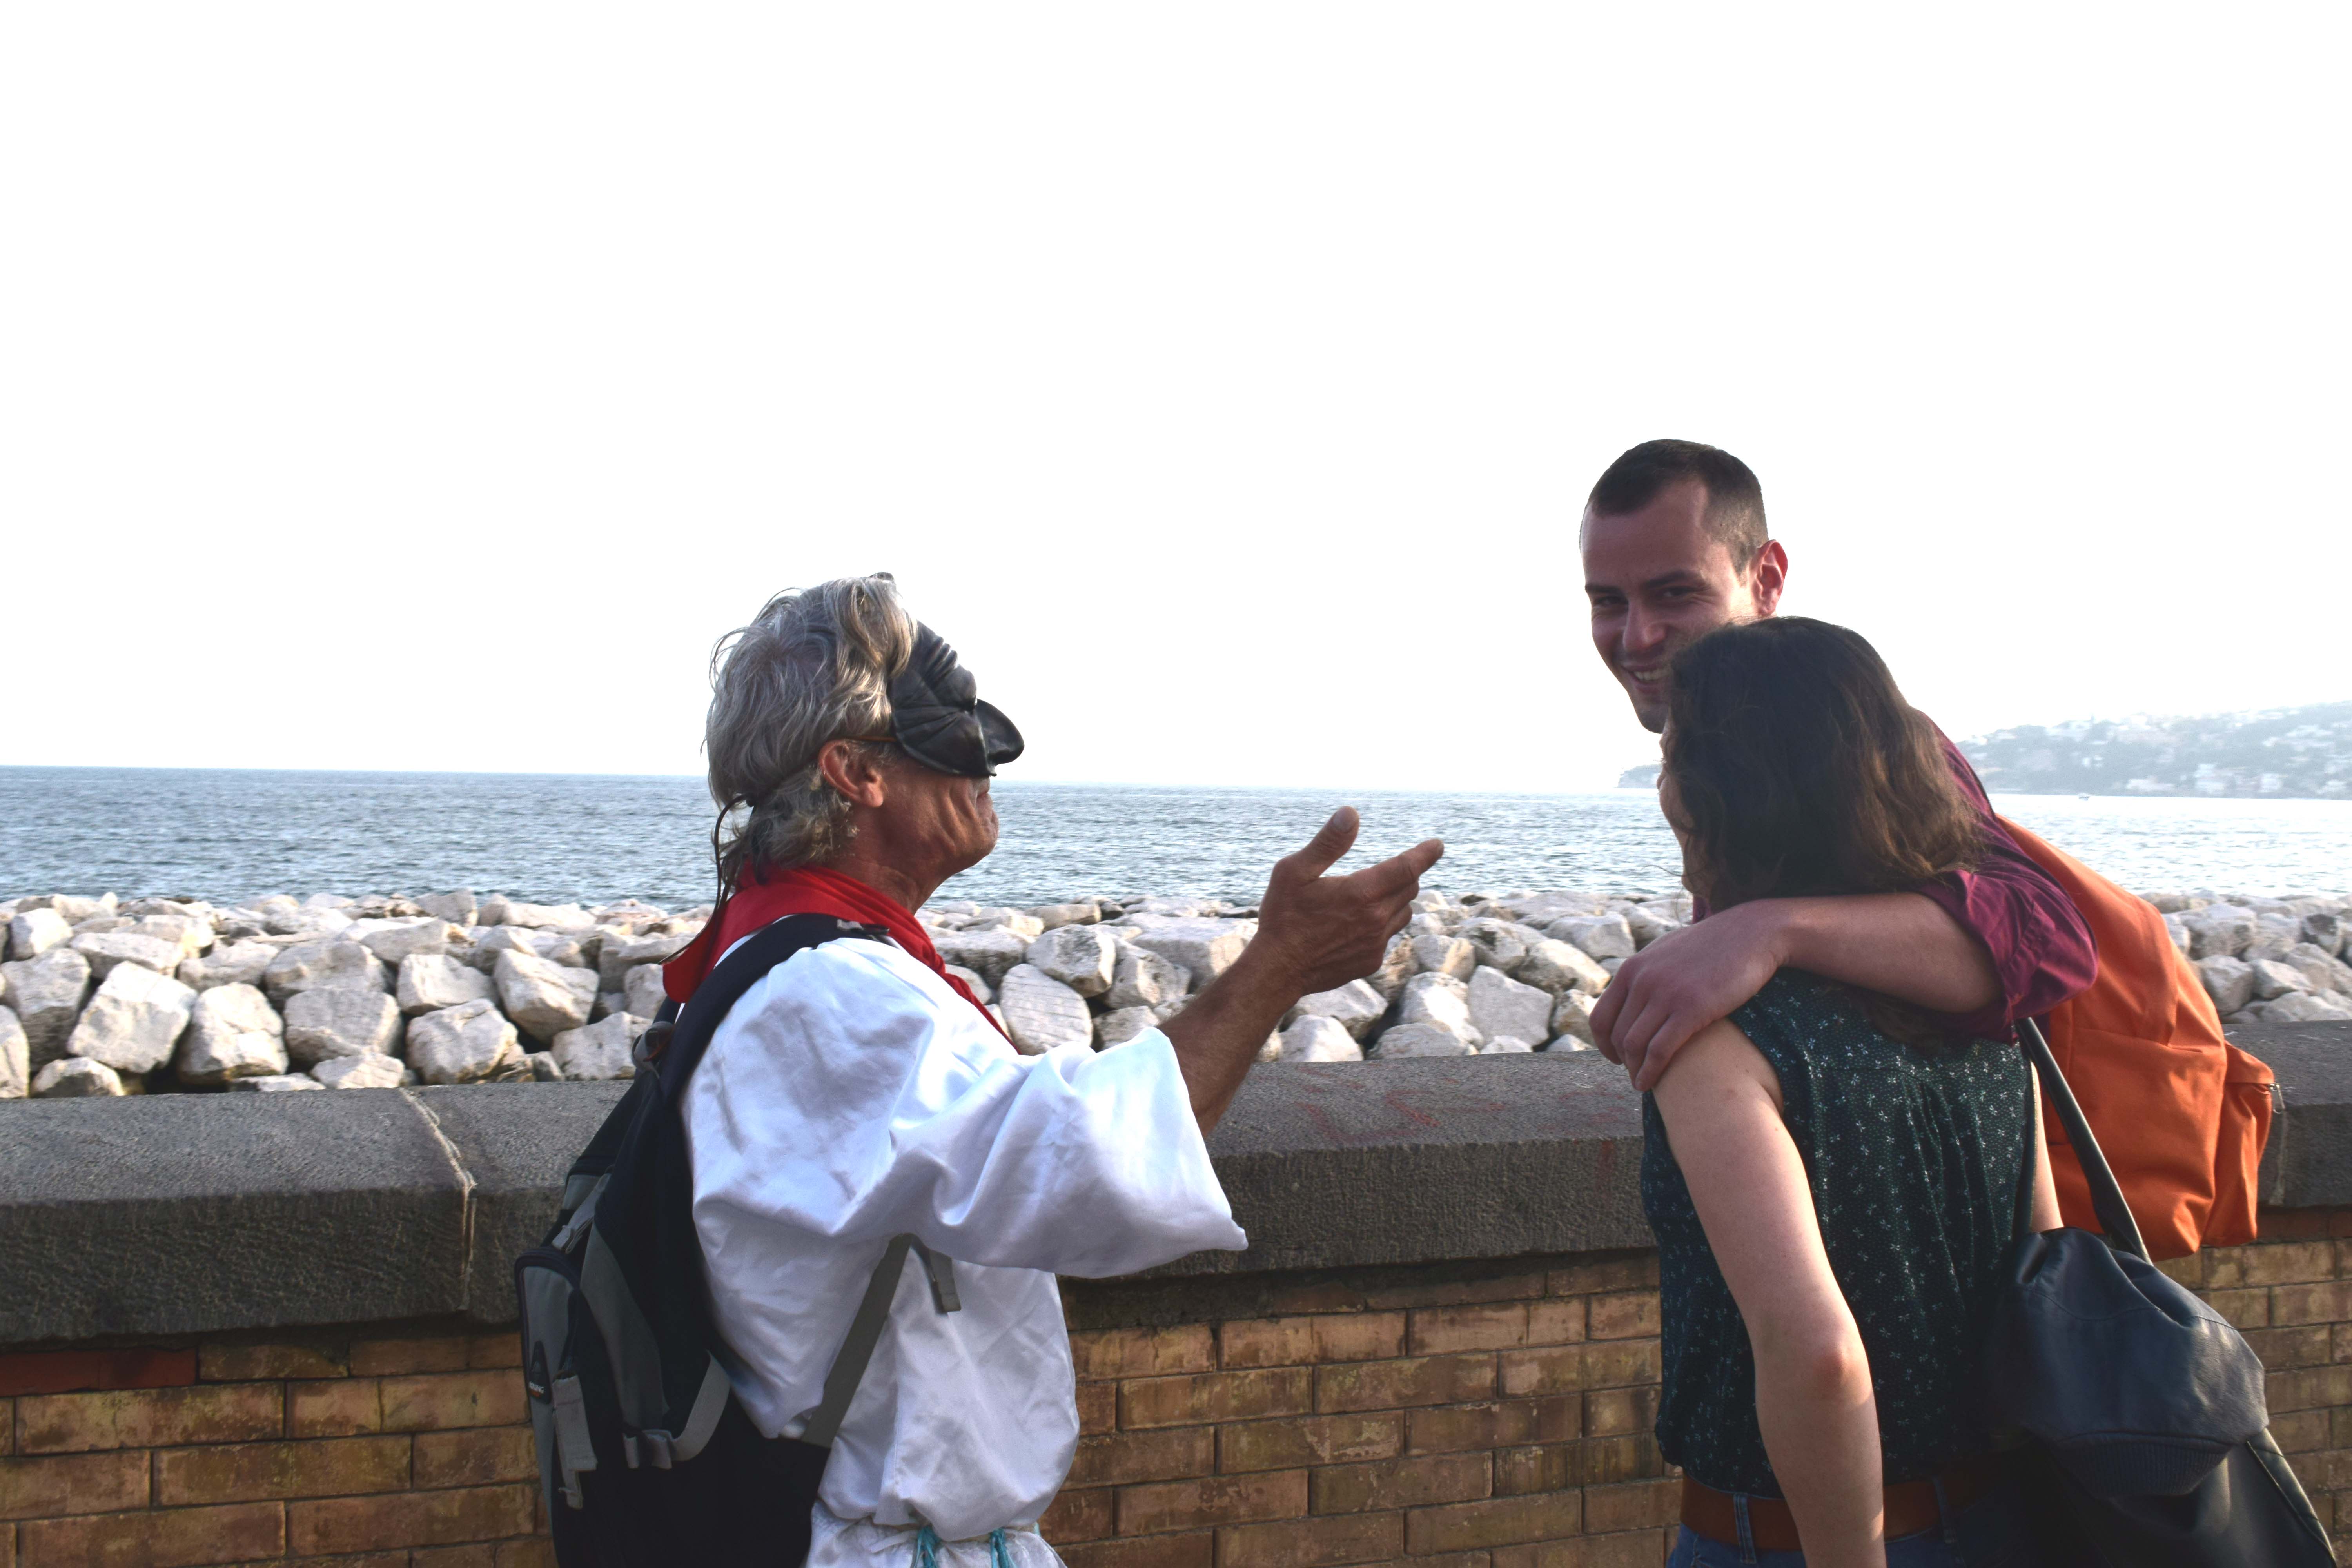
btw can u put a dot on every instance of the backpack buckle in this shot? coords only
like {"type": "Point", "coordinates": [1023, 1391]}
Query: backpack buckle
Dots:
{"type": "Point", "coordinates": [650, 1045]}
{"type": "Point", "coordinates": [661, 1446]}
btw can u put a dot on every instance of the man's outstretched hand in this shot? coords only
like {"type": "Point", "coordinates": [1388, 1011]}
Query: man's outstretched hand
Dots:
{"type": "Point", "coordinates": [1323, 931]}
{"type": "Point", "coordinates": [1314, 933]}
{"type": "Point", "coordinates": [1680, 984]}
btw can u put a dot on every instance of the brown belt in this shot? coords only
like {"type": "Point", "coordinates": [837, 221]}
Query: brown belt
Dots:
{"type": "Point", "coordinates": [1911, 1507]}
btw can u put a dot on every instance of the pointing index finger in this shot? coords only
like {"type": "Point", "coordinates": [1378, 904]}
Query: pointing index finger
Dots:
{"type": "Point", "coordinates": [1399, 871]}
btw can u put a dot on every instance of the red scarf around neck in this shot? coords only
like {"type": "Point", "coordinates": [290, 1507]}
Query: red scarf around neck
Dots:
{"type": "Point", "coordinates": [768, 897]}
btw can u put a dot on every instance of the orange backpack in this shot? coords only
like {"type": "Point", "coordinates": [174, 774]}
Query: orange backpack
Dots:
{"type": "Point", "coordinates": [2180, 1113]}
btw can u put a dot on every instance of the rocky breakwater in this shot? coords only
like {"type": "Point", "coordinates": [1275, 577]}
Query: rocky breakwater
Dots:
{"type": "Point", "coordinates": [99, 997]}
{"type": "Point", "coordinates": [2271, 960]}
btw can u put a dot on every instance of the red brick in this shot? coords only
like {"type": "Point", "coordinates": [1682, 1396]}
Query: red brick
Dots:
{"type": "Point", "coordinates": [1304, 1340]}
{"type": "Point", "coordinates": [1629, 1314]}
{"type": "Point", "coordinates": [437, 1401]}
{"type": "Point", "coordinates": [1395, 1385]}
{"type": "Point", "coordinates": [2243, 1309]}
{"type": "Point", "coordinates": [65, 1372]}
{"type": "Point", "coordinates": [408, 1518]}
{"type": "Point", "coordinates": [1630, 1271]}
{"type": "Point", "coordinates": [1156, 1454]}
{"type": "Point", "coordinates": [1610, 1411]}
{"type": "Point", "coordinates": [1316, 1296]}
{"type": "Point", "coordinates": [173, 1538]}
{"type": "Point", "coordinates": [1078, 1514]}
{"type": "Point", "coordinates": [477, 1456]}
{"type": "Point", "coordinates": [150, 1417]}
{"type": "Point", "coordinates": [1632, 1505]}
{"type": "Point", "coordinates": [1491, 1425]}
{"type": "Point", "coordinates": [1144, 1353]}
{"type": "Point", "coordinates": [1098, 1408]}
{"type": "Point", "coordinates": [2300, 1431]}
{"type": "Point", "coordinates": [1308, 1440]}
{"type": "Point", "coordinates": [1215, 1396]}
{"type": "Point", "coordinates": [1438, 1331]}
{"type": "Point", "coordinates": [1159, 1506]}
{"type": "Point", "coordinates": [1505, 1288]}
{"type": "Point", "coordinates": [1312, 1542]}
{"type": "Point", "coordinates": [473, 1554]}
{"type": "Point", "coordinates": [7, 1429]}
{"type": "Point", "coordinates": [256, 1363]}
{"type": "Point", "coordinates": [2288, 1224]}
{"type": "Point", "coordinates": [247, 1472]}
{"type": "Point", "coordinates": [383, 1358]}
{"type": "Point", "coordinates": [1194, 1550]}
{"type": "Point", "coordinates": [1554, 1466]}
{"type": "Point", "coordinates": [2310, 1389]}
{"type": "Point", "coordinates": [1630, 1549]}
{"type": "Point", "coordinates": [1400, 1483]}
{"type": "Point", "coordinates": [72, 1483]}
{"type": "Point", "coordinates": [1603, 1363]}
{"type": "Point", "coordinates": [1496, 1521]}
{"type": "Point", "coordinates": [336, 1407]}
{"type": "Point", "coordinates": [539, 1554]}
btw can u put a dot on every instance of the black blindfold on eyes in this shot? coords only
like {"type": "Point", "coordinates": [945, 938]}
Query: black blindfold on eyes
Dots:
{"type": "Point", "coordinates": [936, 717]}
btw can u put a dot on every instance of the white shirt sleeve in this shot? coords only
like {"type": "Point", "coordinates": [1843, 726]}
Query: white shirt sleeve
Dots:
{"type": "Point", "coordinates": [852, 1095]}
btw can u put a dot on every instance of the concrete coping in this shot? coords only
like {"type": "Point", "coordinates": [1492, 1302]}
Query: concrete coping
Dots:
{"type": "Point", "coordinates": [188, 1214]}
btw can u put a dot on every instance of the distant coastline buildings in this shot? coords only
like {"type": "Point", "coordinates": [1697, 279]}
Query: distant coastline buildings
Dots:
{"type": "Point", "coordinates": [2281, 752]}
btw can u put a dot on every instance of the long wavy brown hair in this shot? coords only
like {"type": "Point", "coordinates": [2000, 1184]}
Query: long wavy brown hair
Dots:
{"type": "Point", "coordinates": [1798, 770]}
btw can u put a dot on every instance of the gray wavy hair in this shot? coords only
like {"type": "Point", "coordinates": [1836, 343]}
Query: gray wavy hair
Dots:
{"type": "Point", "coordinates": [815, 665]}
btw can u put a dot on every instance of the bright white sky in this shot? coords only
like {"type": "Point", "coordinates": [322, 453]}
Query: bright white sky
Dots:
{"type": "Point", "coordinates": [426, 386]}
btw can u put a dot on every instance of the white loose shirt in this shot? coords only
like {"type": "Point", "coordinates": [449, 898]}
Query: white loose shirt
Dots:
{"type": "Point", "coordinates": [851, 1095]}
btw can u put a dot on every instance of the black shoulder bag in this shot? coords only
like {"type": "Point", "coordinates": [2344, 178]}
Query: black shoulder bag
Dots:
{"type": "Point", "coordinates": [2146, 1441]}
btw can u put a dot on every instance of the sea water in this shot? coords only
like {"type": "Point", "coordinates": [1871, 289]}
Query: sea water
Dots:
{"type": "Point", "coordinates": [227, 835]}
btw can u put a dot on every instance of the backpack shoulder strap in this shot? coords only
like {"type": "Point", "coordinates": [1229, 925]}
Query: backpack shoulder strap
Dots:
{"type": "Point", "coordinates": [673, 1047]}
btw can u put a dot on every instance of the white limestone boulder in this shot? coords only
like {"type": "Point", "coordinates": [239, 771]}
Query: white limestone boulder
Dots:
{"type": "Point", "coordinates": [1122, 1025]}
{"type": "Point", "coordinates": [1648, 922]}
{"type": "Point", "coordinates": [1315, 1037]}
{"type": "Point", "coordinates": [1356, 1007]}
{"type": "Point", "coordinates": [504, 912]}
{"type": "Point", "coordinates": [2274, 934]}
{"type": "Point", "coordinates": [974, 982]}
{"type": "Point", "coordinates": [193, 934]}
{"type": "Point", "coordinates": [277, 1085]}
{"type": "Point", "coordinates": [233, 1033]}
{"type": "Point", "coordinates": [394, 940]}
{"type": "Point", "coordinates": [228, 963]}
{"type": "Point", "coordinates": [458, 908]}
{"type": "Point", "coordinates": [34, 933]}
{"type": "Point", "coordinates": [1500, 1007]}
{"type": "Point", "coordinates": [2273, 979]}
{"type": "Point", "coordinates": [1055, 916]}
{"type": "Point", "coordinates": [1444, 955]}
{"type": "Point", "coordinates": [1505, 1046]}
{"type": "Point", "coordinates": [464, 1044]}
{"type": "Point", "coordinates": [1041, 1013]}
{"type": "Point", "coordinates": [74, 910]}
{"type": "Point", "coordinates": [15, 1058]}
{"type": "Point", "coordinates": [1599, 937]}
{"type": "Point", "coordinates": [2304, 1008]}
{"type": "Point", "coordinates": [619, 954]}
{"type": "Point", "coordinates": [48, 994]}
{"type": "Point", "coordinates": [1571, 1020]}
{"type": "Point", "coordinates": [1419, 1040]}
{"type": "Point", "coordinates": [1204, 948]}
{"type": "Point", "coordinates": [642, 994]}
{"type": "Point", "coordinates": [339, 1021]}
{"type": "Point", "coordinates": [369, 1069]}
{"type": "Point", "coordinates": [1140, 978]}
{"type": "Point", "coordinates": [1437, 1001]}
{"type": "Point", "coordinates": [601, 1051]}
{"type": "Point", "coordinates": [106, 950]}
{"type": "Point", "coordinates": [1499, 944]}
{"type": "Point", "coordinates": [2319, 968]}
{"type": "Point", "coordinates": [1396, 965]}
{"type": "Point", "coordinates": [133, 1020]}
{"type": "Point", "coordinates": [432, 981]}
{"type": "Point", "coordinates": [544, 999]}
{"type": "Point", "coordinates": [2229, 981]}
{"type": "Point", "coordinates": [323, 966]}
{"type": "Point", "coordinates": [990, 953]}
{"type": "Point", "coordinates": [76, 1078]}
{"type": "Point", "coordinates": [2219, 930]}
{"type": "Point", "coordinates": [1081, 957]}
{"type": "Point", "coordinates": [2326, 931]}
{"type": "Point", "coordinates": [1554, 966]}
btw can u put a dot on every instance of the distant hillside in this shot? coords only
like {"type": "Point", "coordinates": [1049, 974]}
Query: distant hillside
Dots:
{"type": "Point", "coordinates": [2280, 752]}
{"type": "Point", "coordinates": [1645, 776]}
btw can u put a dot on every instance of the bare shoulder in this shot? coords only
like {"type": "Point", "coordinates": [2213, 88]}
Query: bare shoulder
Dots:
{"type": "Point", "coordinates": [1719, 1060]}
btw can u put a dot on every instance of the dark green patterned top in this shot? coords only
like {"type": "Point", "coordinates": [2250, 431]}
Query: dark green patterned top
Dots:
{"type": "Point", "coordinates": [1913, 1161]}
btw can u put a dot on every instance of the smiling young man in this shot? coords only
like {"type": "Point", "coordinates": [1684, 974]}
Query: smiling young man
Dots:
{"type": "Point", "coordinates": [1675, 546]}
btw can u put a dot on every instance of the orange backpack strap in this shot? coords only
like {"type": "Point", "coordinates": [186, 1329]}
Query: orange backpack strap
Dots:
{"type": "Point", "coordinates": [2181, 1113]}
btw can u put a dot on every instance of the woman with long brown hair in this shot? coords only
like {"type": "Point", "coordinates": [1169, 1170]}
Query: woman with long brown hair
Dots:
{"type": "Point", "coordinates": [1832, 1185]}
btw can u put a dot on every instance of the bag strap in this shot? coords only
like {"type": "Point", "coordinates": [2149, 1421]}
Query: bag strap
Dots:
{"type": "Point", "coordinates": [2115, 1215]}
{"type": "Point", "coordinates": [673, 1045]}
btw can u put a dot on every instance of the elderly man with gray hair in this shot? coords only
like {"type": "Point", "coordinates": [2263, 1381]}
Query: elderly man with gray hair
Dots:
{"type": "Point", "coordinates": [861, 1093]}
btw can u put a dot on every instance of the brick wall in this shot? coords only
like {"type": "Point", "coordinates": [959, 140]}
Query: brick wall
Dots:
{"type": "Point", "coordinates": [1492, 1415]}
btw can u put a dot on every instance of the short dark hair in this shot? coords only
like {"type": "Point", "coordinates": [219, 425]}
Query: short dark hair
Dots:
{"type": "Point", "coordinates": [1734, 501]}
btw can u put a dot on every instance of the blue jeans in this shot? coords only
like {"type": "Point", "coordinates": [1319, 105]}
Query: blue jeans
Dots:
{"type": "Point", "coordinates": [1990, 1533]}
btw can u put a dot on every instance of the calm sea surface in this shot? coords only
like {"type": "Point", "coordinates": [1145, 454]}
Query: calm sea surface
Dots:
{"type": "Point", "coordinates": [226, 836]}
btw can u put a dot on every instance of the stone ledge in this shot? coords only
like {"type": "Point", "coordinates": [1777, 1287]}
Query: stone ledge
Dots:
{"type": "Point", "coordinates": [187, 1213]}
